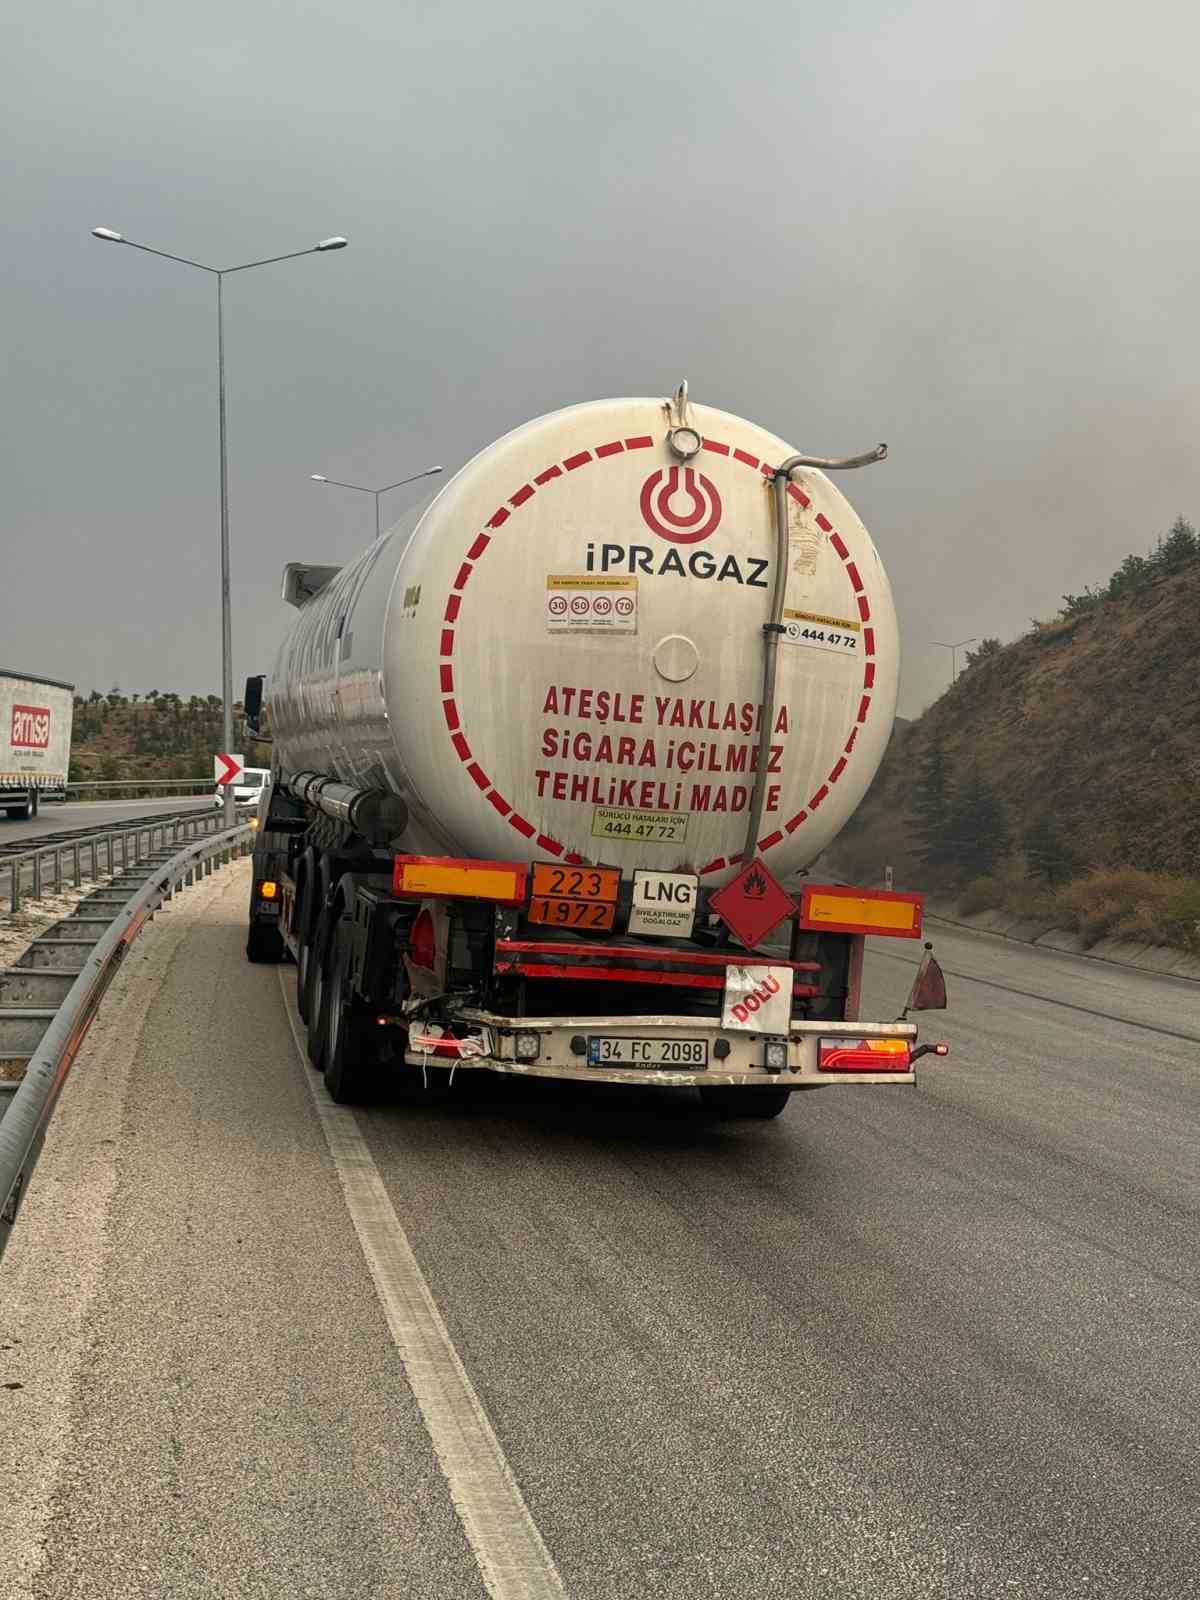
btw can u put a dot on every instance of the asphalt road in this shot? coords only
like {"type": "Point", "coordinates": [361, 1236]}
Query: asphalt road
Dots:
{"type": "Point", "coordinates": [933, 1342]}
{"type": "Point", "coordinates": [54, 817]}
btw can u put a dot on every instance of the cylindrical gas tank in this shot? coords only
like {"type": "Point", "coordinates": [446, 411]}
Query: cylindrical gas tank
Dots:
{"type": "Point", "coordinates": [560, 657]}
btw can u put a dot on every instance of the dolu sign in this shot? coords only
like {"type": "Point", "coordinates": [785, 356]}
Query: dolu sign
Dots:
{"type": "Point", "coordinates": [758, 999]}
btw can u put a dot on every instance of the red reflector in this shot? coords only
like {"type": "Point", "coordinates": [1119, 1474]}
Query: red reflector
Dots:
{"type": "Point", "coordinates": [422, 943]}
{"type": "Point", "coordinates": [863, 1055]}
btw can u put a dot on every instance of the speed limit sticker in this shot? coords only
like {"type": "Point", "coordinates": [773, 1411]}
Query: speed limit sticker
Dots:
{"type": "Point", "coordinates": [586, 603]}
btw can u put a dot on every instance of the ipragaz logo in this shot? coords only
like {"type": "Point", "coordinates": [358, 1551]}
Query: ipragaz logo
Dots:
{"type": "Point", "coordinates": [680, 504]}
{"type": "Point", "coordinates": [683, 507]}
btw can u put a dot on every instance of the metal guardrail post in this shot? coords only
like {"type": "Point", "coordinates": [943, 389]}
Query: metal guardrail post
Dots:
{"type": "Point", "coordinates": [76, 866]}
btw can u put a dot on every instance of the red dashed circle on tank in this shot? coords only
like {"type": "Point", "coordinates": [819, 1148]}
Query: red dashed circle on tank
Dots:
{"type": "Point", "coordinates": [572, 463]}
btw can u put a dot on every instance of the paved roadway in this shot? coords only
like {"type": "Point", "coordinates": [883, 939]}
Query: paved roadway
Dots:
{"type": "Point", "coordinates": [899, 1343]}
{"type": "Point", "coordinates": [54, 817]}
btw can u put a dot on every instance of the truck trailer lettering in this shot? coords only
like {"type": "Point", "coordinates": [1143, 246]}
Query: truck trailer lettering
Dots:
{"type": "Point", "coordinates": [31, 727]}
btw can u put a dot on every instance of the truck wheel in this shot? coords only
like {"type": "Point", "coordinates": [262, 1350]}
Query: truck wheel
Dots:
{"type": "Point", "coordinates": [724, 1100]}
{"type": "Point", "coordinates": [264, 942]}
{"type": "Point", "coordinates": [21, 813]}
{"type": "Point", "coordinates": [351, 1039]}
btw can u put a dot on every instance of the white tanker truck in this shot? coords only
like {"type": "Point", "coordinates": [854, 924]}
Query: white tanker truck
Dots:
{"type": "Point", "coordinates": [552, 758]}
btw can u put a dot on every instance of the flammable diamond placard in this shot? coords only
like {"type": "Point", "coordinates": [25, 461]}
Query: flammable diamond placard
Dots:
{"type": "Point", "coordinates": [752, 904]}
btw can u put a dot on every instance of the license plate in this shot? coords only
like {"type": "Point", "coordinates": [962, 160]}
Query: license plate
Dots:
{"type": "Point", "coordinates": [684, 1055]}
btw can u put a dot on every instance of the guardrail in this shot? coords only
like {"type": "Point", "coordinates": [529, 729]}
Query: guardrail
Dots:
{"type": "Point", "coordinates": [59, 860]}
{"type": "Point", "coordinates": [135, 788]}
{"type": "Point", "coordinates": [23, 1126]}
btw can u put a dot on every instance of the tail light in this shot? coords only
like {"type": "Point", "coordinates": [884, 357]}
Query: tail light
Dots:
{"type": "Point", "coordinates": [863, 1055]}
{"type": "Point", "coordinates": [422, 942]}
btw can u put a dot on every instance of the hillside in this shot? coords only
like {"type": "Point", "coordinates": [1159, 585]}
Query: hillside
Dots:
{"type": "Point", "coordinates": [1055, 762]}
{"type": "Point", "coordinates": [156, 736]}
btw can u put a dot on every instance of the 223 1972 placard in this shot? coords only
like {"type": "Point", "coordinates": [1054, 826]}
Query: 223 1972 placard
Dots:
{"type": "Point", "coordinates": [575, 897]}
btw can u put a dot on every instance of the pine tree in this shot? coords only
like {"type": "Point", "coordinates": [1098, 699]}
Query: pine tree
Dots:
{"type": "Point", "coordinates": [1133, 575]}
{"type": "Point", "coordinates": [1178, 550]}
{"type": "Point", "coordinates": [976, 837]}
{"type": "Point", "coordinates": [1048, 852]}
{"type": "Point", "coordinates": [931, 808]}
{"type": "Point", "coordinates": [987, 648]}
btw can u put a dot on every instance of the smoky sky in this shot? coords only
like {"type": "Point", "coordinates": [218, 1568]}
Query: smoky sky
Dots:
{"type": "Point", "coordinates": [967, 229]}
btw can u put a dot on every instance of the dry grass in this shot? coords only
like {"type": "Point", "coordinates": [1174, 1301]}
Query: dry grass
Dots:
{"type": "Point", "coordinates": [1127, 903]}
{"type": "Point", "coordinates": [1115, 903]}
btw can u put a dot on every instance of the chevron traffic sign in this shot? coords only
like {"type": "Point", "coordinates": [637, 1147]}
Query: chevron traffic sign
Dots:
{"type": "Point", "coordinates": [228, 769]}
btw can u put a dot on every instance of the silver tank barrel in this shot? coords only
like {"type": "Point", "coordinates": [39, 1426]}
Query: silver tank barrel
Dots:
{"type": "Point", "coordinates": [379, 817]}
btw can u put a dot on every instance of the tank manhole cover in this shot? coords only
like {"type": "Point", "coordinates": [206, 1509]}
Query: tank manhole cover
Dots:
{"type": "Point", "coordinates": [675, 658]}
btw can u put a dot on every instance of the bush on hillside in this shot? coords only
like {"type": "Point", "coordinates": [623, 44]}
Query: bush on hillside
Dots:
{"type": "Point", "coordinates": [1128, 903]}
{"type": "Point", "coordinates": [981, 894]}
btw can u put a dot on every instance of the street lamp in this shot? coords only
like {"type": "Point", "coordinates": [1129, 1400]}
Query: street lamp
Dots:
{"type": "Point", "coordinates": [220, 274]}
{"type": "Point", "coordinates": [319, 477]}
{"type": "Point", "coordinates": [954, 649]}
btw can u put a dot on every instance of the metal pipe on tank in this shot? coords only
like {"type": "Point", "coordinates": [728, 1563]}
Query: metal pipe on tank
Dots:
{"type": "Point", "coordinates": [774, 626]}
{"type": "Point", "coordinates": [377, 816]}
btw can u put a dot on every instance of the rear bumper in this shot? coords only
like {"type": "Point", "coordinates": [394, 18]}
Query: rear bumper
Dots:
{"type": "Point", "coordinates": [744, 1066]}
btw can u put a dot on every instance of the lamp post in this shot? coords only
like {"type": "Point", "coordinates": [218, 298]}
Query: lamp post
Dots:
{"type": "Point", "coordinates": [954, 649]}
{"type": "Point", "coordinates": [319, 477]}
{"type": "Point", "coordinates": [220, 274]}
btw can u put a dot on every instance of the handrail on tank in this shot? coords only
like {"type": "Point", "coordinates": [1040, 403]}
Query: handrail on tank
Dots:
{"type": "Point", "coordinates": [780, 479]}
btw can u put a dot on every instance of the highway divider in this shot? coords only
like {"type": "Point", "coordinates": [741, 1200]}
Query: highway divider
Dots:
{"type": "Point", "coordinates": [23, 1125]}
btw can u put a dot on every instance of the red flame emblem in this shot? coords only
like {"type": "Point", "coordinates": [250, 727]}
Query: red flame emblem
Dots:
{"type": "Point", "coordinates": [680, 504]}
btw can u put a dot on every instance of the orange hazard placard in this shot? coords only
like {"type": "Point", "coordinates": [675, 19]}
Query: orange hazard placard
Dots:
{"type": "Point", "coordinates": [575, 897]}
{"type": "Point", "coordinates": [588, 915]}
{"type": "Point", "coordinates": [577, 883]}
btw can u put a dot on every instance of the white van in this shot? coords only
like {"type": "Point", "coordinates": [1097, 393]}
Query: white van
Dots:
{"type": "Point", "coordinates": [247, 791]}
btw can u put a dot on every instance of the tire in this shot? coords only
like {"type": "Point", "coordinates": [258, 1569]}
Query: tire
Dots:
{"type": "Point", "coordinates": [35, 802]}
{"type": "Point", "coordinates": [724, 1100]}
{"type": "Point", "coordinates": [264, 943]}
{"type": "Point", "coordinates": [321, 948]}
{"type": "Point", "coordinates": [21, 813]}
{"type": "Point", "coordinates": [351, 1052]}
{"type": "Point", "coordinates": [311, 975]}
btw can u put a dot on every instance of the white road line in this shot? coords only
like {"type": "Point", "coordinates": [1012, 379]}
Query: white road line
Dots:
{"type": "Point", "coordinates": [512, 1556]}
